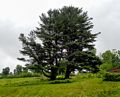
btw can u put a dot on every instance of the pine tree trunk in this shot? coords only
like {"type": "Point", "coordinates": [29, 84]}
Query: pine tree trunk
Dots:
{"type": "Point", "coordinates": [67, 73]}
{"type": "Point", "coordinates": [53, 73]}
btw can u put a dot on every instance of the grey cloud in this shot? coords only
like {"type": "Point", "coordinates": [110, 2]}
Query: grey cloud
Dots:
{"type": "Point", "coordinates": [106, 20]}
{"type": "Point", "coordinates": [10, 44]}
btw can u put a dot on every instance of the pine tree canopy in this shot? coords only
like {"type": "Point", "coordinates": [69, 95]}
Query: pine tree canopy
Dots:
{"type": "Point", "coordinates": [62, 42]}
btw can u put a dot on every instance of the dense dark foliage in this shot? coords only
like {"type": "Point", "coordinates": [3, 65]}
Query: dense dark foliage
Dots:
{"type": "Point", "coordinates": [6, 71]}
{"type": "Point", "coordinates": [63, 42]}
{"type": "Point", "coordinates": [18, 69]}
{"type": "Point", "coordinates": [112, 76]}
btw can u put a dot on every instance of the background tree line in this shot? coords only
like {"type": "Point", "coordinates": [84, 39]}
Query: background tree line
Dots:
{"type": "Point", "coordinates": [110, 59]}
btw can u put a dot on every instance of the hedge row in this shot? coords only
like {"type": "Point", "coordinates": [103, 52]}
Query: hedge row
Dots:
{"type": "Point", "coordinates": [112, 76]}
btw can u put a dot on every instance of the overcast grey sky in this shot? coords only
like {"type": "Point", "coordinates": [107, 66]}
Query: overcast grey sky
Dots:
{"type": "Point", "coordinates": [18, 16]}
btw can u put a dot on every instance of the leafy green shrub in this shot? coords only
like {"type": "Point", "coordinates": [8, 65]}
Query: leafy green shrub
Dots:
{"type": "Point", "coordinates": [103, 69]}
{"type": "Point", "coordinates": [28, 74]}
{"type": "Point", "coordinates": [106, 66]}
{"type": "Point", "coordinates": [112, 76]}
{"type": "Point", "coordinates": [60, 77]}
{"type": "Point", "coordinates": [87, 75]}
{"type": "Point", "coordinates": [91, 75]}
{"type": "Point", "coordinates": [101, 74]}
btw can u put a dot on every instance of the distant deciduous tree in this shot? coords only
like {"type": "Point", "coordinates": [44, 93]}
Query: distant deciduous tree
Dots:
{"type": "Point", "coordinates": [18, 69]}
{"type": "Point", "coordinates": [6, 71]}
{"type": "Point", "coordinates": [110, 58]}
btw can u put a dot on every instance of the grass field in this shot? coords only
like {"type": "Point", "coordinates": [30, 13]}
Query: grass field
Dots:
{"type": "Point", "coordinates": [79, 87]}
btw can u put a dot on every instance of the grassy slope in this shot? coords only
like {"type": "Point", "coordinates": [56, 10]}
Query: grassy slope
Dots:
{"type": "Point", "coordinates": [34, 87]}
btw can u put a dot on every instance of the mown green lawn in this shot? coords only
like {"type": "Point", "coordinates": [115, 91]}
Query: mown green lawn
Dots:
{"type": "Point", "coordinates": [35, 87]}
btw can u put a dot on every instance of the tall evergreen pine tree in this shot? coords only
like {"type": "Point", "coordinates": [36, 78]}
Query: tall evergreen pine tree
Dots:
{"type": "Point", "coordinates": [65, 35]}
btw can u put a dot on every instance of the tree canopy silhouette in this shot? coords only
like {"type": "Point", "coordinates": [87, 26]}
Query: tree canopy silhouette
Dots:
{"type": "Point", "coordinates": [62, 42]}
